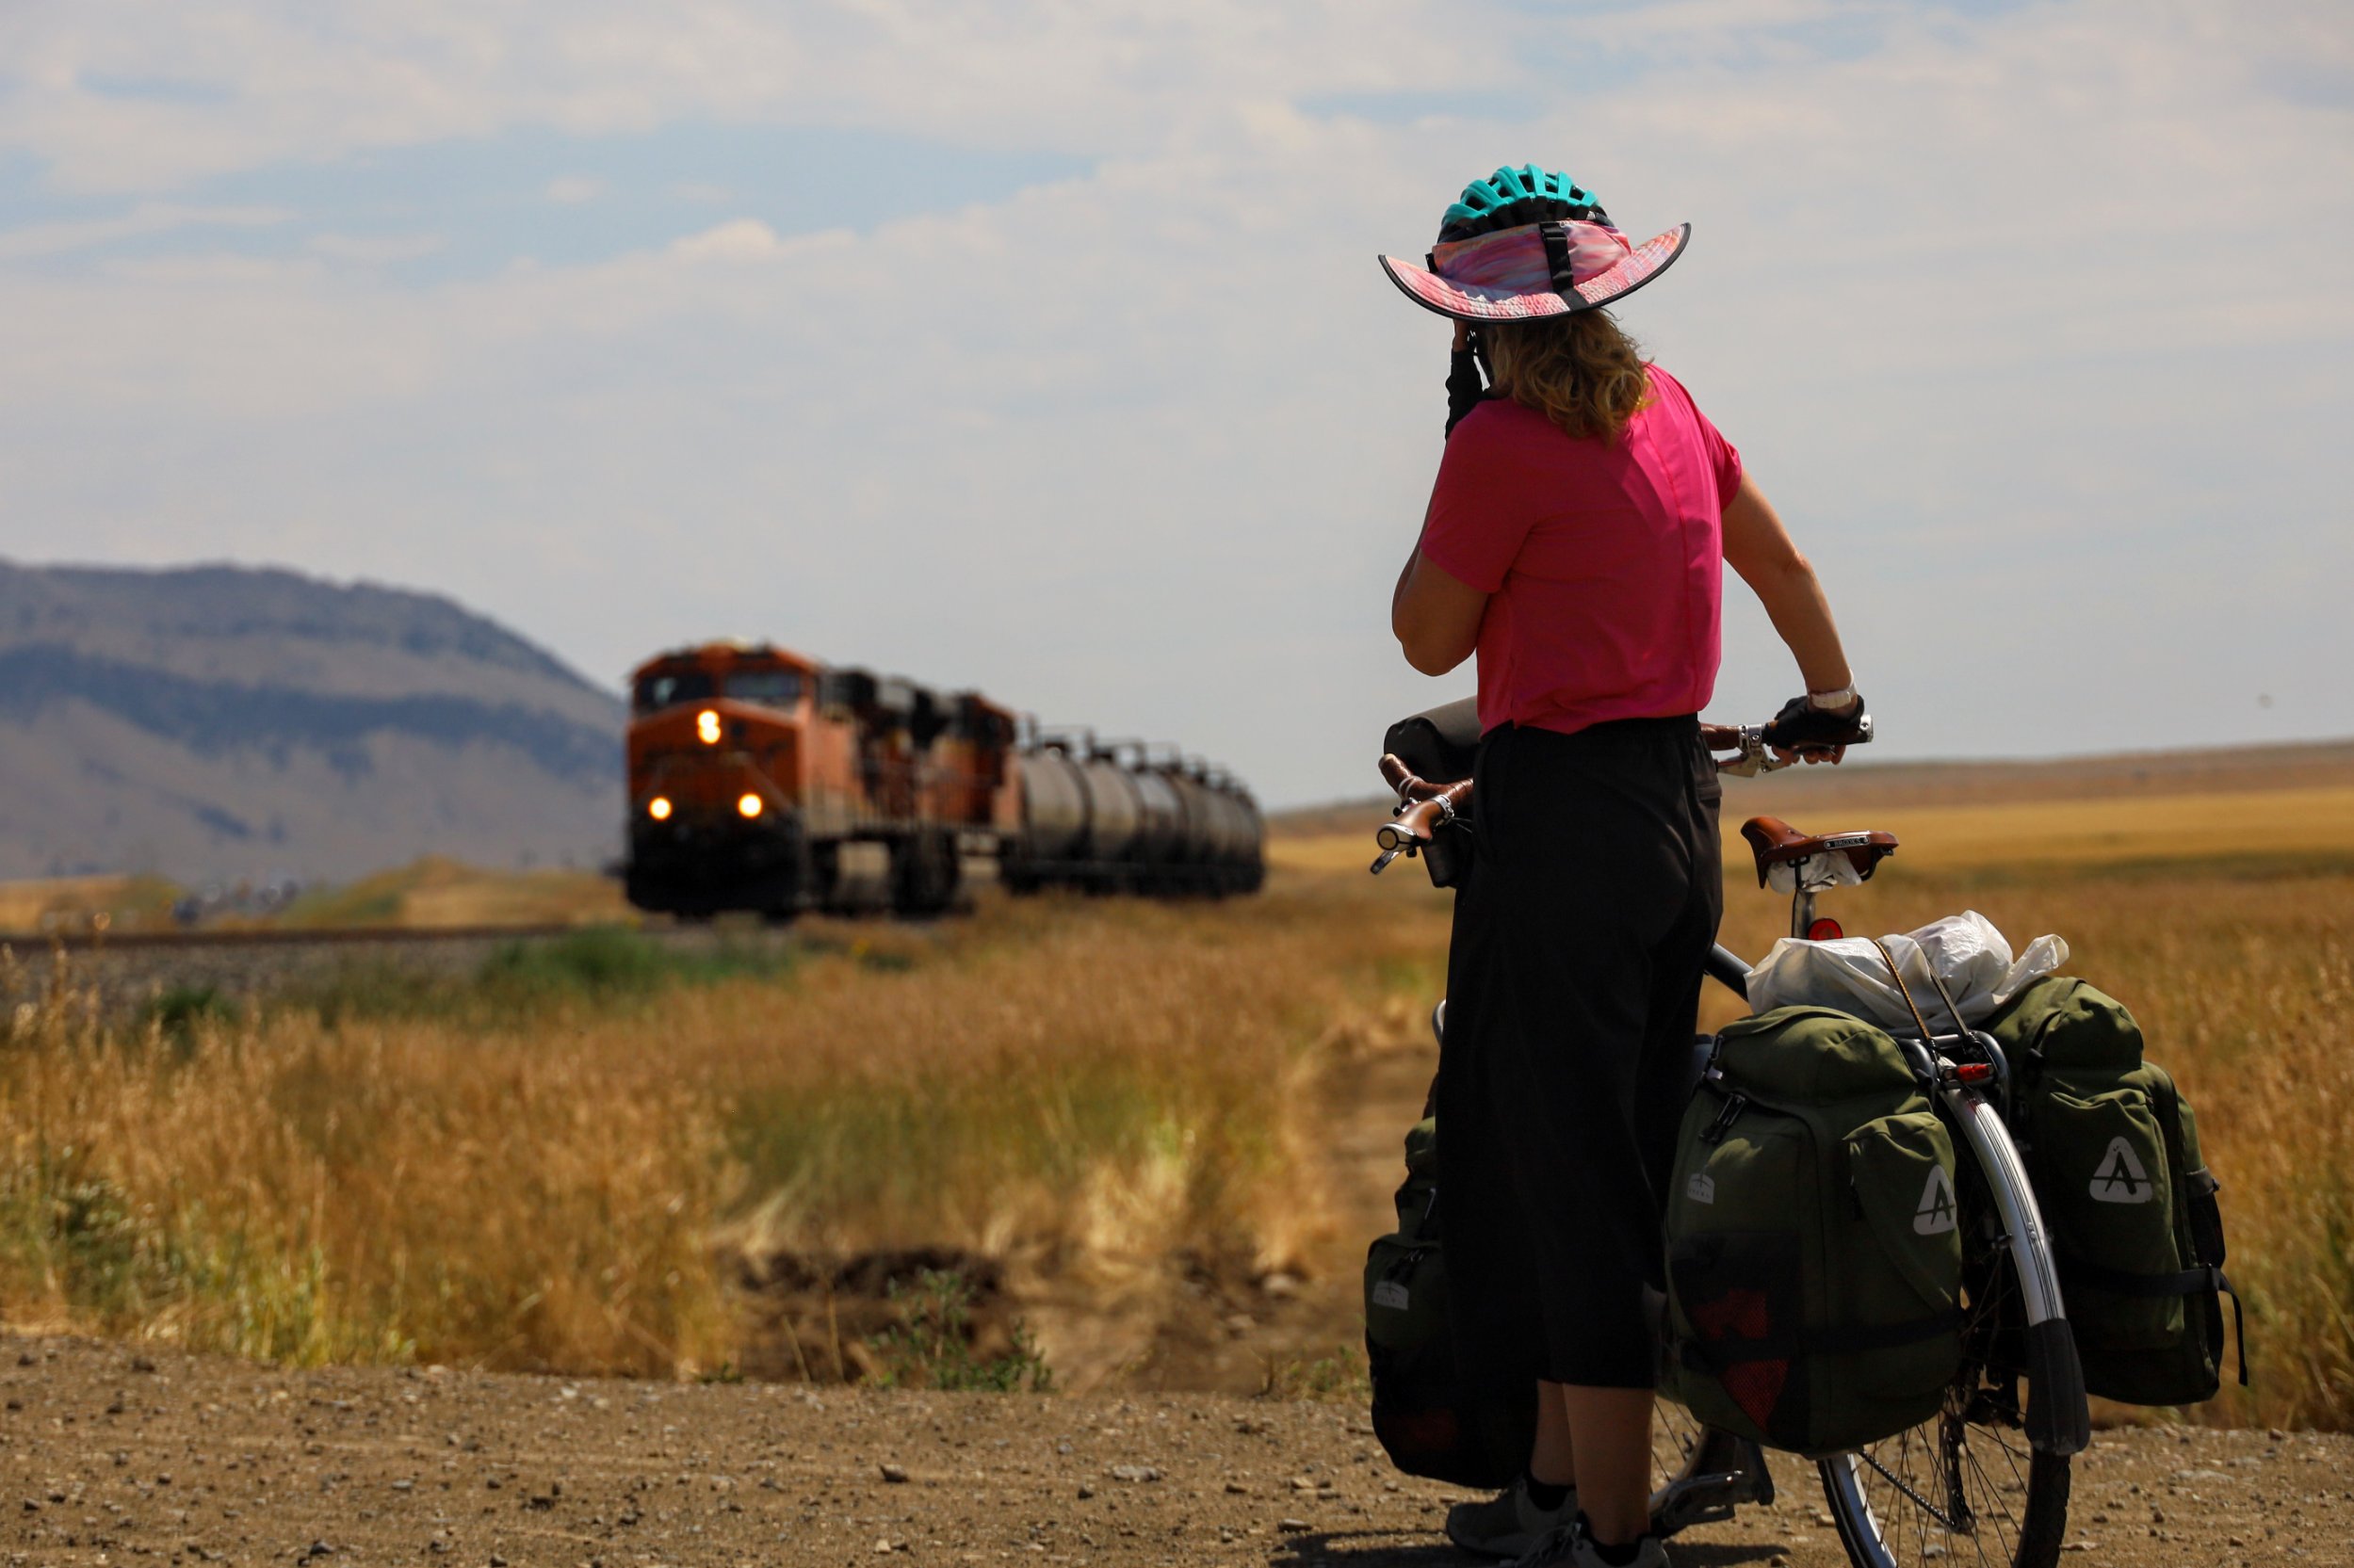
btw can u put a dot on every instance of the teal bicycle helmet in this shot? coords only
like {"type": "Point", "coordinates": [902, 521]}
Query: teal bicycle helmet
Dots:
{"type": "Point", "coordinates": [1512, 197]}
{"type": "Point", "coordinates": [1529, 242]}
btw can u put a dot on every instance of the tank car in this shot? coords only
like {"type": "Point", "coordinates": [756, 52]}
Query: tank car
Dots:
{"type": "Point", "coordinates": [1119, 817]}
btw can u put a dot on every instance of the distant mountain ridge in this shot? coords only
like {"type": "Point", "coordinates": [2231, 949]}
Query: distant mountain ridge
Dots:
{"type": "Point", "coordinates": [217, 721]}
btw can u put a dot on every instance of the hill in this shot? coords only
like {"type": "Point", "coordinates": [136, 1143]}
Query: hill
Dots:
{"type": "Point", "coordinates": [221, 721]}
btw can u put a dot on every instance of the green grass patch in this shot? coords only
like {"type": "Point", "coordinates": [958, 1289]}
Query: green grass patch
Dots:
{"type": "Point", "coordinates": [375, 902]}
{"type": "Point", "coordinates": [931, 1344]}
{"type": "Point", "coordinates": [179, 1013]}
{"type": "Point", "coordinates": [600, 967]}
{"type": "Point", "coordinates": [880, 1153]}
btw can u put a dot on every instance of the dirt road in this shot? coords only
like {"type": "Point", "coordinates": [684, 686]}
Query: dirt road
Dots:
{"type": "Point", "coordinates": [110, 1456]}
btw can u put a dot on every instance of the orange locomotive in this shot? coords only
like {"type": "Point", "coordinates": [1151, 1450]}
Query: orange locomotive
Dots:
{"type": "Point", "coordinates": [761, 780]}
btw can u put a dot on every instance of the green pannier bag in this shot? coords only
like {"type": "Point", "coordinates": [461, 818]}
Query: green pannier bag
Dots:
{"type": "Point", "coordinates": [1813, 1246]}
{"type": "Point", "coordinates": [1424, 1414]}
{"type": "Point", "coordinates": [2112, 1149]}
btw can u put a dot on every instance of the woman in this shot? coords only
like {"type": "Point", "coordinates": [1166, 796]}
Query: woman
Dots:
{"type": "Point", "coordinates": [1575, 541]}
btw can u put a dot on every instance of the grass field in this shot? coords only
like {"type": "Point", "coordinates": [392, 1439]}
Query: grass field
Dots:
{"type": "Point", "coordinates": [554, 1164]}
{"type": "Point", "coordinates": [441, 893]}
{"type": "Point", "coordinates": [2291, 828]}
{"type": "Point", "coordinates": [73, 903]}
{"type": "Point", "coordinates": [427, 893]}
{"type": "Point", "coordinates": [537, 1170]}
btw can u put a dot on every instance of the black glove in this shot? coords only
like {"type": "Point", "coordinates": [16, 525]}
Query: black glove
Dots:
{"type": "Point", "coordinates": [1465, 389]}
{"type": "Point", "coordinates": [1803, 727]}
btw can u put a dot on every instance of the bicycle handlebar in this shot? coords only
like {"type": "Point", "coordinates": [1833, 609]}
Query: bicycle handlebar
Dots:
{"type": "Point", "coordinates": [1398, 776]}
{"type": "Point", "coordinates": [1418, 821]}
{"type": "Point", "coordinates": [1424, 807]}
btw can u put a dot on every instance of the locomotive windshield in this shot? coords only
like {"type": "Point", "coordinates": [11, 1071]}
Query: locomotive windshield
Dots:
{"type": "Point", "coordinates": [667, 688]}
{"type": "Point", "coordinates": [776, 688]}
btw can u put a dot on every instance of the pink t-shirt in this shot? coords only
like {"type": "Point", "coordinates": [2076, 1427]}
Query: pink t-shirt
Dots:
{"type": "Point", "coordinates": [1603, 561]}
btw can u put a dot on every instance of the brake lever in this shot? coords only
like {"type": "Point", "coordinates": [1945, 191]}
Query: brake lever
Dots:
{"type": "Point", "coordinates": [1753, 758]}
{"type": "Point", "coordinates": [1756, 757]}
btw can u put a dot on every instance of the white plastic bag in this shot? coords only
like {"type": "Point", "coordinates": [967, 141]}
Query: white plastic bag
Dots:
{"type": "Point", "coordinates": [1964, 950]}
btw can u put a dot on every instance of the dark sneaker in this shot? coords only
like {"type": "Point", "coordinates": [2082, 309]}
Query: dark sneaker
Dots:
{"type": "Point", "coordinates": [1509, 1525]}
{"type": "Point", "coordinates": [1571, 1547]}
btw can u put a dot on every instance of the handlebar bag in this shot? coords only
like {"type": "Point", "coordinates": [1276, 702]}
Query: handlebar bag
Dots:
{"type": "Point", "coordinates": [1441, 743]}
{"type": "Point", "coordinates": [2112, 1149]}
{"type": "Point", "coordinates": [1424, 1414]}
{"type": "Point", "coordinates": [1815, 1257]}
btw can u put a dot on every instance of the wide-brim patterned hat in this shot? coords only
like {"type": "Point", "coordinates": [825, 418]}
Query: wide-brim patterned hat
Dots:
{"type": "Point", "coordinates": [1551, 268]}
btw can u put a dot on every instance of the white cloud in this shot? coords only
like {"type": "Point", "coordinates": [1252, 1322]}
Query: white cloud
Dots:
{"type": "Point", "coordinates": [296, 83]}
{"type": "Point", "coordinates": [2031, 322]}
{"type": "Point", "coordinates": [148, 217]}
{"type": "Point", "coordinates": [739, 239]}
{"type": "Point", "coordinates": [376, 250]}
{"type": "Point", "coordinates": [573, 191]}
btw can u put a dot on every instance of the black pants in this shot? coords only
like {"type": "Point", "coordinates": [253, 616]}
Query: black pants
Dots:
{"type": "Point", "coordinates": [1572, 985]}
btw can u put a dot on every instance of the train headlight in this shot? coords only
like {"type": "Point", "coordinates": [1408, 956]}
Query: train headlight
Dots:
{"type": "Point", "coordinates": [658, 808]}
{"type": "Point", "coordinates": [708, 727]}
{"type": "Point", "coordinates": [748, 807]}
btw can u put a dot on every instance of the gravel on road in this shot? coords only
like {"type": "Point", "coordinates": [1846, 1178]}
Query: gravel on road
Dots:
{"type": "Point", "coordinates": [111, 1453]}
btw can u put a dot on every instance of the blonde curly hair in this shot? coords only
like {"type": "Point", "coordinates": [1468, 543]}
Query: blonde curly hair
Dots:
{"type": "Point", "coordinates": [1581, 371]}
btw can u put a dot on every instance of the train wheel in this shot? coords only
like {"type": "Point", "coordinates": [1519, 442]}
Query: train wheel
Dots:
{"type": "Point", "coordinates": [805, 890]}
{"type": "Point", "coordinates": [824, 875]}
{"type": "Point", "coordinates": [942, 872]}
{"type": "Point", "coordinates": [924, 874]}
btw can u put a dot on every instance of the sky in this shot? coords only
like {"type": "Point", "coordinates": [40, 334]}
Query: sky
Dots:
{"type": "Point", "coordinates": [1039, 345]}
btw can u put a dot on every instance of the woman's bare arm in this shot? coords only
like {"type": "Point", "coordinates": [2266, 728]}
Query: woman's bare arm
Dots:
{"type": "Point", "coordinates": [1760, 548]}
{"type": "Point", "coordinates": [1436, 615]}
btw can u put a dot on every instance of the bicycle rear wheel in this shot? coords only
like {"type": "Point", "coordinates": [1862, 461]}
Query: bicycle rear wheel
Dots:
{"type": "Point", "coordinates": [1960, 1489]}
{"type": "Point", "coordinates": [1965, 1487]}
{"type": "Point", "coordinates": [1675, 1439]}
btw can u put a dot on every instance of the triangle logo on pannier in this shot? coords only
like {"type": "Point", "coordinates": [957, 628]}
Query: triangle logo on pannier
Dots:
{"type": "Point", "coordinates": [1935, 1216]}
{"type": "Point", "coordinates": [2122, 1177]}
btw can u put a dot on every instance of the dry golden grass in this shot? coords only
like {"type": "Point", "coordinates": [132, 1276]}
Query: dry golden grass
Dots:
{"type": "Point", "coordinates": [1082, 1088]}
{"type": "Point", "coordinates": [431, 892]}
{"type": "Point", "coordinates": [307, 1195]}
{"type": "Point", "coordinates": [74, 903]}
{"type": "Point", "coordinates": [1087, 1088]}
{"type": "Point", "coordinates": [434, 893]}
{"type": "Point", "coordinates": [2283, 824]}
{"type": "Point", "coordinates": [2277, 824]}
{"type": "Point", "coordinates": [1808, 794]}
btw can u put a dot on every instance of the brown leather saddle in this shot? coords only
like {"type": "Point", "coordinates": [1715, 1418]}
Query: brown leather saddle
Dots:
{"type": "Point", "coordinates": [1776, 843]}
